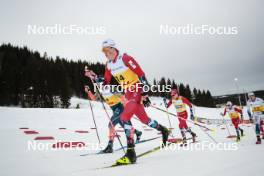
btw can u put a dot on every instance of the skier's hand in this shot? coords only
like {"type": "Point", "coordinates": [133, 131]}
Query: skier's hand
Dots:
{"type": "Point", "coordinates": [165, 102]}
{"type": "Point", "coordinates": [146, 101]}
{"type": "Point", "coordinates": [242, 118]}
{"type": "Point", "coordinates": [86, 88]}
{"type": "Point", "coordinates": [90, 73]}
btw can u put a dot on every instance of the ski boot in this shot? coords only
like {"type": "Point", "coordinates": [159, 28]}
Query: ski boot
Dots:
{"type": "Point", "coordinates": [258, 140]}
{"type": "Point", "coordinates": [138, 134]}
{"type": "Point", "coordinates": [193, 136]}
{"type": "Point", "coordinates": [109, 148]}
{"type": "Point", "coordinates": [129, 158]}
{"type": "Point", "coordinates": [184, 142]}
{"type": "Point", "coordinates": [238, 139]}
{"type": "Point", "coordinates": [165, 134]}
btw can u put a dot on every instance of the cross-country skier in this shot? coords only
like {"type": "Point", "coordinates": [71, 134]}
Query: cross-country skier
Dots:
{"type": "Point", "coordinates": [236, 115]}
{"type": "Point", "coordinates": [131, 77]}
{"type": "Point", "coordinates": [180, 103]}
{"type": "Point", "coordinates": [256, 112]}
{"type": "Point", "coordinates": [115, 103]}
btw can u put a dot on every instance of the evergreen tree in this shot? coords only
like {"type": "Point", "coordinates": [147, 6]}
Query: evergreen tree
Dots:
{"type": "Point", "coordinates": [31, 80]}
{"type": "Point", "coordinates": [162, 83]}
{"type": "Point", "coordinates": [188, 93]}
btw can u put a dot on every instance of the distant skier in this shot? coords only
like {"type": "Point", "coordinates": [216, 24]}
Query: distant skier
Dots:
{"type": "Point", "coordinates": [256, 113]}
{"type": "Point", "coordinates": [114, 101]}
{"type": "Point", "coordinates": [236, 115]}
{"type": "Point", "coordinates": [131, 77]}
{"type": "Point", "coordinates": [180, 103]}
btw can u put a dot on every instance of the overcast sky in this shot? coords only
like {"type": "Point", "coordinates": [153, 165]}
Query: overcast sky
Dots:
{"type": "Point", "coordinates": [204, 61]}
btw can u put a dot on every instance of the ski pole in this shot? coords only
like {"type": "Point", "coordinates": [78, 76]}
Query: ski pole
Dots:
{"type": "Point", "coordinates": [226, 126]}
{"type": "Point", "coordinates": [181, 118]}
{"type": "Point", "coordinates": [201, 126]}
{"type": "Point", "coordinates": [94, 122]}
{"type": "Point", "coordinates": [167, 114]}
{"type": "Point", "coordinates": [208, 135]}
{"type": "Point", "coordinates": [101, 100]}
{"type": "Point", "coordinates": [168, 117]}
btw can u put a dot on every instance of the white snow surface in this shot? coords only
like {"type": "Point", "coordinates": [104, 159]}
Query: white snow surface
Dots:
{"type": "Point", "coordinates": [17, 159]}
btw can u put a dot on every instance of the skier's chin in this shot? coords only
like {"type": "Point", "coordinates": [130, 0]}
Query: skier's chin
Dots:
{"type": "Point", "coordinates": [110, 59]}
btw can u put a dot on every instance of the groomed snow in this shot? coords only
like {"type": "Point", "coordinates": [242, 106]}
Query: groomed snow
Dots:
{"type": "Point", "coordinates": [17, 159]}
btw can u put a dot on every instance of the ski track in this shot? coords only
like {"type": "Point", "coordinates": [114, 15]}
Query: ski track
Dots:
{"type": "Point", "coordinates": [16, 159]}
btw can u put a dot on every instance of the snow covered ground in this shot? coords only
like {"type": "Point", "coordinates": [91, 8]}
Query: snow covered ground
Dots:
{"type": "Point", "coordinates": [243, 158]}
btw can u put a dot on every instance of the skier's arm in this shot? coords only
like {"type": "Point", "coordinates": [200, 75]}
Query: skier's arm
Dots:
{"type": "Point", "coordinates": [89, 93]}
{"type": "Point", "coordinates": [249, 111]}
{"type": "Point", "coordinates": [94, 77]}
{"type": "Point", "coordinates": [169, 103]}
{"type": "Point", "coordinates": [186, 101]}
{"type": "Point", "coordinates": [237, 109]}
{"type": "Point", "coordinates": [165, 102]}
{"type": "Point", "coordinates": [240, 111]}
{"type": "Point", "coordinates": [223, 113]}
{"type": "Point", "coordinates": [107, 76]}
{"type": "Point", "coordinates": [132, 64]}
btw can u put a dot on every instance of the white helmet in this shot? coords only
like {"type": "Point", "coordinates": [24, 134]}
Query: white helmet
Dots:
{"type": "Point", "coordinates": [109, 43]}
{"type": "Point", "coordinates": [251, 94]}
{"type": "Point", "coordinates": [229, 103]}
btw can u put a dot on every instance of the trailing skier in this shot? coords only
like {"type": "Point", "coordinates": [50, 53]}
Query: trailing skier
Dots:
{"type": "Point", "coordinates": [180, 103]}
{"type": "Point", "coordinates": [114, 101]}
{"type": "Point", "coordinates": [131, 77]}
{"type": "Point", "coordinates": [255, 113]}
{"type": "Point", "coordinates": [236, 115]}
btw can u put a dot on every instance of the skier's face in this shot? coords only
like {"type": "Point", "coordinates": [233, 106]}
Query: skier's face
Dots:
{"type": "Point", "coordinates": [175, 96]}
{"type": "Point", "coordinates": [252, 97]}
{"type": "Point", "coordinates": [110, 53]}
{"type": "Point", "coordinates": [228, 106]}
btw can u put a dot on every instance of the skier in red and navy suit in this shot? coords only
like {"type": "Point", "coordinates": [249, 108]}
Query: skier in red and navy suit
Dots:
{"type": "Point", "coordinates": [131, 77]}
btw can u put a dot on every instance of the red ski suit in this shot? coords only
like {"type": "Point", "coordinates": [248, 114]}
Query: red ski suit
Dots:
{"type": "Point", "coordinates": [127, 72]}
{"type": "Point", "coordinates": [180, 105]}
{"type": "Point", "coordinates": [234, 114]}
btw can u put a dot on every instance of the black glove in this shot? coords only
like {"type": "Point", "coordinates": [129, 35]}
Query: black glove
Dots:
{"type": "Point", "coordinates": [144, 83]}
{"type": "Point", "coordinates": [192, 116]}
{"type": "Point", "coordinates": [165, 102]}
{"type": "Point", "coordinates": [146, 102]}
{"type": "Point", "coordinates": [242, 117]}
